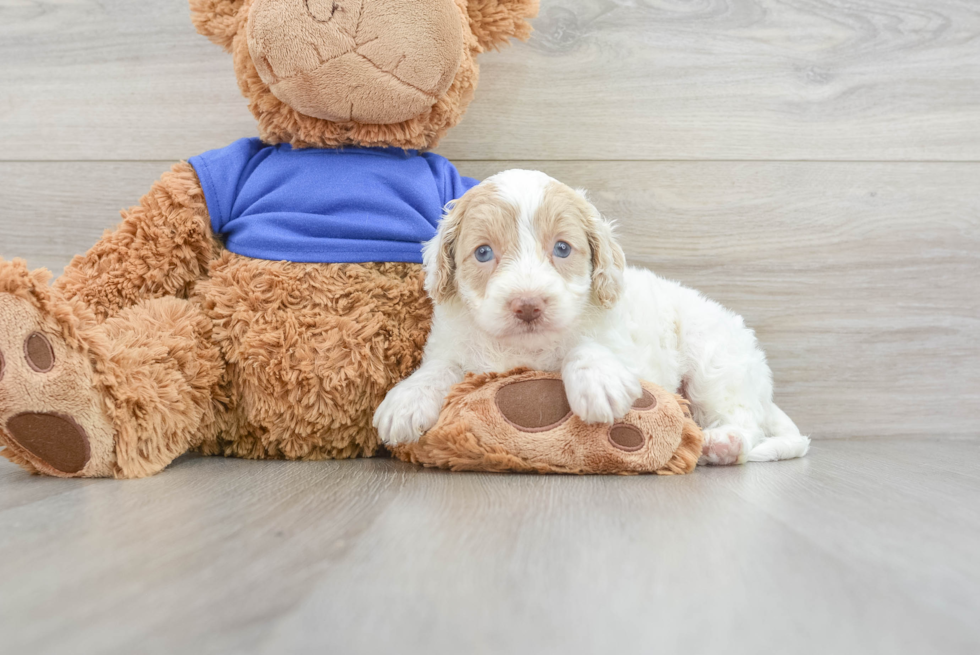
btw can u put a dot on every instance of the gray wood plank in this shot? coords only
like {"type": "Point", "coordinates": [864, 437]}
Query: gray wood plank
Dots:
{"type": "Point", "coordinates": [863, 547]}
{"type": "Point", "coordinates": [741, 79]}
{"type": "Point", "coordinates": [915, 481]}
{"type": "Point", "coordinates": [50, 212]}
{"type": "Point", "coordinates": [859, 279]}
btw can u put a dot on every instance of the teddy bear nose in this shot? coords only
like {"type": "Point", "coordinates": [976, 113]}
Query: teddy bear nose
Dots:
{"type": "Point", "coordinates": [372, 61]}
{"type": "Point", "coordinates": [527, 309]}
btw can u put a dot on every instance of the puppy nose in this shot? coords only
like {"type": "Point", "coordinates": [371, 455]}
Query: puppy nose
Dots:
{"type": "Point", "coordinates": [527, 309]}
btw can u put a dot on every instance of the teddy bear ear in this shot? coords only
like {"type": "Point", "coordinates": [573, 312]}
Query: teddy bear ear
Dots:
{"type": "Point", "coordinates": [217, 19]}
{"type": "Point", "coordinates": [495, 22]}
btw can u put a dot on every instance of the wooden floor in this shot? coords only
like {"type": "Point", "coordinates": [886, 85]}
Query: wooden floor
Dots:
{"type": "Point", "coordinates": [864, 547]}
{"type": "Point", "coordinates": [812, 164]}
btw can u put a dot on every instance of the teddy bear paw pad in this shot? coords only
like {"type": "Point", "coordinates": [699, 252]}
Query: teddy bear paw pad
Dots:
{"type": "Point", "coordinates": [55, 439]}
{"type": "Point", "coordinates": [534, 405]}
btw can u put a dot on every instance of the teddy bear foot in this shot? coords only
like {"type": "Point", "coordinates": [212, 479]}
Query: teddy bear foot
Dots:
{"type": "Point", "coordinates": [522, 421]}
{"type": "Point", "coordinates": [50, 416]}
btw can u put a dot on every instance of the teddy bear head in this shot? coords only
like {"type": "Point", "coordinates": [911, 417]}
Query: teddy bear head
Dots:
{"type": "Point", "coordinates": [329, 73]}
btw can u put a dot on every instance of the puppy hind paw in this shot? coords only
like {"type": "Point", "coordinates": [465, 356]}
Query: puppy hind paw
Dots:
{"type": "Point", "coordinates": [723, 446]}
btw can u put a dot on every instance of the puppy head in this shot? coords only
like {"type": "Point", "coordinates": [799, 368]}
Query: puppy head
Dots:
{"type": "Point", "coordinates": [526, 255]}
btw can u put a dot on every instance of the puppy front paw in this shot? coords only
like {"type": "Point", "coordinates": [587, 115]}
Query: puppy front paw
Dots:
{"type": "Point", "coordinates": [601, 393]}
{"type": "Point", "coordinates": [407, 412]}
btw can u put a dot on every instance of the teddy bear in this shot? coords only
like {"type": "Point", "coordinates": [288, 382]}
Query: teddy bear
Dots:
{"type": "Point", "coordinates": [261, 299]}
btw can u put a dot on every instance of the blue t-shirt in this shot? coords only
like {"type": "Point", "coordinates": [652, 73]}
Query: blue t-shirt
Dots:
{"type": "Point", "coordinates": [326, 205]}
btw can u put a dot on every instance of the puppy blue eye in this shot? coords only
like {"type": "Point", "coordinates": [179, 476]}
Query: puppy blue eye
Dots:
{"type": "Point", "coordinates": [562, 249]}
{"type": "Point", "coordinates": [483, 254]}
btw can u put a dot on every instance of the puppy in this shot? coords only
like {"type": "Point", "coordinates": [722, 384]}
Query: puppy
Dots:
{"type": "Point", "coordinates": [525, 272]}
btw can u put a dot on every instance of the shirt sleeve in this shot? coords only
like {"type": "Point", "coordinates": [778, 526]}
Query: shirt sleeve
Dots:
{"type": "Point", "coordinates": [452, 184]}
{"type": "Point", "coordinates": [220, 172]}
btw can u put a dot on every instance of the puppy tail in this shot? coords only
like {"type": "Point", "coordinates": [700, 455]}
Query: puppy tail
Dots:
{"type": "Point", "coordinates": [784, 440]}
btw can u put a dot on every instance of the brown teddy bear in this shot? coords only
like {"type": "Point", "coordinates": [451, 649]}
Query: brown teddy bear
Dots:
{"type": "Point", "coordinates": [261, 299]}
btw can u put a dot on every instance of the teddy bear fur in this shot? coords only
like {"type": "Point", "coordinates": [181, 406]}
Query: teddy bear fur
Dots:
{"type": "Point", "coordinates": [491, 24]}
{"type": "Point", "coordinates": [474, 433]}
{"type": "Point", "coordinates": [163, 341]}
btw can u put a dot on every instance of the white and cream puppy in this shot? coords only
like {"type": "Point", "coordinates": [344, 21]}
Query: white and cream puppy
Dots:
{"type": "Point", "coordinates": [525, 272]}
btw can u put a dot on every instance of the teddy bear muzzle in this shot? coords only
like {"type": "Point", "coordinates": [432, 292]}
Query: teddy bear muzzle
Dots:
{"type": "Point", "coordinates": [370, 61]}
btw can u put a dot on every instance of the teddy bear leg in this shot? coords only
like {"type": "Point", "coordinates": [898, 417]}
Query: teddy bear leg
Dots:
{"type": "Point", "coordinates": [311, 351]}
{"type": "Point", "coordinates": [162, 379]}
{"type": "Point", "coordinates": [79, 398]}
{"type": "Point", "coordinates": [52, 418]}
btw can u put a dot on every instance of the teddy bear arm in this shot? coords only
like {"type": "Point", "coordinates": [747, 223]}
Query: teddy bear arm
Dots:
{"type": "Point", "coordinates": [161, 248]}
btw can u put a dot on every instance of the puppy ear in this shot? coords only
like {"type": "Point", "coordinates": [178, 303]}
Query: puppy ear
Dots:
{"type": "Point", "coordinates": [439, 255]}
{"type": "Point", "coordinates": [608, 261]}
{"type": "Point", "coordinates": [218, 20]}
{"type": "Point", "coordinates": [495, 22]}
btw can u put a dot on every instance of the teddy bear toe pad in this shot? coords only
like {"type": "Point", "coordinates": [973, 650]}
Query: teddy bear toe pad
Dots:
{"type": "Point", "coordinates": [627, 438]}
{"type": "Point", "coordinates": [38, 353]}
{"type": "Point", "coordinates": [646, 402]}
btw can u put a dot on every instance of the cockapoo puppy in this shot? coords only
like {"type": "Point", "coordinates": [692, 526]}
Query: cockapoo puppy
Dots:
{"type": "Point", "coordinates": [525, 272]}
